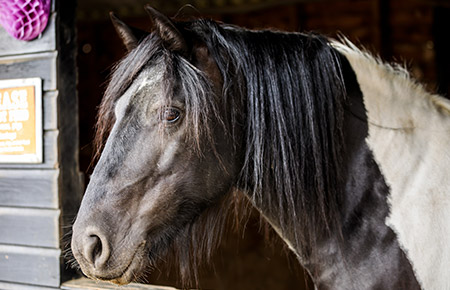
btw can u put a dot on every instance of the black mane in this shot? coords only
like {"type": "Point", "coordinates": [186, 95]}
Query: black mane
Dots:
{"type": "Point", "coordinates": [291, 93]}
{"type": "Point", "coordinates": [293, 116]}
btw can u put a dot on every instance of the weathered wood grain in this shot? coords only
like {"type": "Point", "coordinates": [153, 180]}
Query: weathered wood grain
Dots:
{"type": "Point", "coordinates": [29, 227]}
{"type": "Point", "coordinates": [29, 188]}
{"type": "Point", "coordinates": [49, 104]}
{"type": "Point", "coordinates": [41, 65]}
{"type": "Point", "coordinates": [37, 201]}
{"type": "Point", "coordinates": [70, 182]}
{"type": "Point", "coordinates": [29, 265]}
{"type": "Point", "coordinates": [46, 42]}
{"type": "Point", "coordinates": [84, 283]}
{"type": "Point", "coordinates": [15, 286]}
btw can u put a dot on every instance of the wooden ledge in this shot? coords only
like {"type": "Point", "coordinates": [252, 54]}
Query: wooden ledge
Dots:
{"type": "Point", "coordinates": [86, 284]}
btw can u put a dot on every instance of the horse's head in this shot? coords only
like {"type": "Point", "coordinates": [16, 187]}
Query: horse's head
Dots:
{"type": "Point", "coordinates": [166, 158]}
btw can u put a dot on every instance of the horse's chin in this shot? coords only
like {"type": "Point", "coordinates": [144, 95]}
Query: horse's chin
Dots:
{"type": "Point", "coordinates": [130, 273]}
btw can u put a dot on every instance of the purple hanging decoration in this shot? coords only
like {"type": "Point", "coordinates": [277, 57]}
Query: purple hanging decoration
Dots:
{"type": "Point", "coordinates": [24, 19]}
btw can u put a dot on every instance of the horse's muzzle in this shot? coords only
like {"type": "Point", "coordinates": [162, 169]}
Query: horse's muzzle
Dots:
{"type": "Point", "coordinates": [94, 253]}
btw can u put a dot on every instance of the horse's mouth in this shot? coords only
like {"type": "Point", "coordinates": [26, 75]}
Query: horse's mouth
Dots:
{"type": "Point", "coordinates": [130, 272]}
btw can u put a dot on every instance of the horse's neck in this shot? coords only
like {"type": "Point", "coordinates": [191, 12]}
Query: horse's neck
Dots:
{"type": "Point", "coordinates": [367, 254]}
{"type": "Point", "coordinates": [409, 135]}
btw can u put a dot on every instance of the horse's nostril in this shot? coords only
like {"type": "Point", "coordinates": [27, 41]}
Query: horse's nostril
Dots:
{"type": "Point", "coordinates": [96, 250]}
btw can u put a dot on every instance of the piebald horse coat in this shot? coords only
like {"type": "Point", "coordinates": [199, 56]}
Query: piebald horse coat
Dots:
{"type": "Point", "coordinates": [409, 134]}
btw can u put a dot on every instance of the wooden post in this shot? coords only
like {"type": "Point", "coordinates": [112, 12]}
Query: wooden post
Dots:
{"type": "Point", "coordinates": [382, 29]}
{"type": "Point", "coordinates": [441, 22]}
{"type": "Point", "coordinates": [38, 201]}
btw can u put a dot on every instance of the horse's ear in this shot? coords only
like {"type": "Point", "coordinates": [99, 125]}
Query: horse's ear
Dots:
{"type": "Point", "coordinates": [167, 30]}
{"type": "Point", "coordinates": [129, 35]}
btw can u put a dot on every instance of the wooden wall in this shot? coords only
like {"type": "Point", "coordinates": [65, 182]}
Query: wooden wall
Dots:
{"type": "Point", "coordinates": [397, 30]}
{"type": "Point", "coordinates": [38, 200]}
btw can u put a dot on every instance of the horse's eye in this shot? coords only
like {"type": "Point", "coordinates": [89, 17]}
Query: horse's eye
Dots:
{"type": "Point", "coordinates": [170, 115]}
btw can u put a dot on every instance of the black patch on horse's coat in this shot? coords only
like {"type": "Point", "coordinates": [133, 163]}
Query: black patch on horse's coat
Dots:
{"type": "Point", "coordinates": [286, 93]}
{"type": "Point", "coordinates": [370, 257]}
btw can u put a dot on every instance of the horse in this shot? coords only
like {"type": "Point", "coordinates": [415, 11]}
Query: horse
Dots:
{"type": "Point", "coordinates": [345, 156]}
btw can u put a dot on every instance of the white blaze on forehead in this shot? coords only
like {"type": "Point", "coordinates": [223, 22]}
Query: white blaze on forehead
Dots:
{"type": "Point", "coordinates": [150, 80]}
{"type": "Point", "coordinates": [409, 134]}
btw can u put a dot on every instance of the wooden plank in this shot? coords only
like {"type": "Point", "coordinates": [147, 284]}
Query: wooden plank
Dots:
{"type": "Point", "coordinates": [84, 283]}
{"type": "Point", "coordinates": [29, 227]}
{"type": "Point", "coordinates": [50, 151]}
{"type": "Point", "coordinates": [16, 286]}
{"type": "Point", "coordinates": [70, 182]}
{"type": "Point", "coordinates": [50, 154]}
{"type": "Point", "coordinates": [11, 46]}
{"type": "Point", "coordinates": [50, 109]}
{"type": "Point", "coordinates": [29, 188]}
{"type": "Point", "coordinates": [37, 266]}
{"type": "Point", "coordinates": [41, 65]}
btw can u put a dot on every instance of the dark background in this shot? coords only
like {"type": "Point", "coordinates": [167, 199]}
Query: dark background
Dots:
{"type": "Point", "coordinates": [412, 32]}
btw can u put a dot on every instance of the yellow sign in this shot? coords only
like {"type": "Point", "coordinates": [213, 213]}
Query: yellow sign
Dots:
{"type": "Point", "coordinates": [21, 121]}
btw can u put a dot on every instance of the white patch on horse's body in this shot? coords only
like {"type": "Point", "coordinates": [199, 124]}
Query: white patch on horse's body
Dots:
{"type": "Point", "coordinates": [409, 134]}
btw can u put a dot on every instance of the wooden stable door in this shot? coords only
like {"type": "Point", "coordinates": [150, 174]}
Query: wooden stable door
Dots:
{"type": "Point", "coordinates": [38, 199]}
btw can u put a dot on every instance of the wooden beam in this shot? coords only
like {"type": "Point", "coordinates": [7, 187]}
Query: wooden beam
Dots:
{"type": "Point", "coordinates": [30, 265]}
{"type": "Point", "coordinates": [29, 227]}
{"type": "Point", "coordinates": [441, 24]}
{"type": "Point", "coordinates": [29, 188]}
{"type": "Point", "coordinates": [50, 110]}
{"type": "Point", "coordinates": [88, 284]}
{"type": "Point", "coordinates": [70, 182]}
{"type": "Point", "coordinates": [15, 286]}
{"type": "Point", "coordinates": [42, 65]}
{"type": "Point", "coordinates": [383, 38]}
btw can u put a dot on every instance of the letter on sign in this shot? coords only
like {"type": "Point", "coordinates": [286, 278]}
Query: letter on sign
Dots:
{"type": "Point", "coordinates": [21, 121]}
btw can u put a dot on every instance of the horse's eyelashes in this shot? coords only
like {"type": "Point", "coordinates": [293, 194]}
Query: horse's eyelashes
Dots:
{"type": "Point", "coordinates": [170, 115]}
